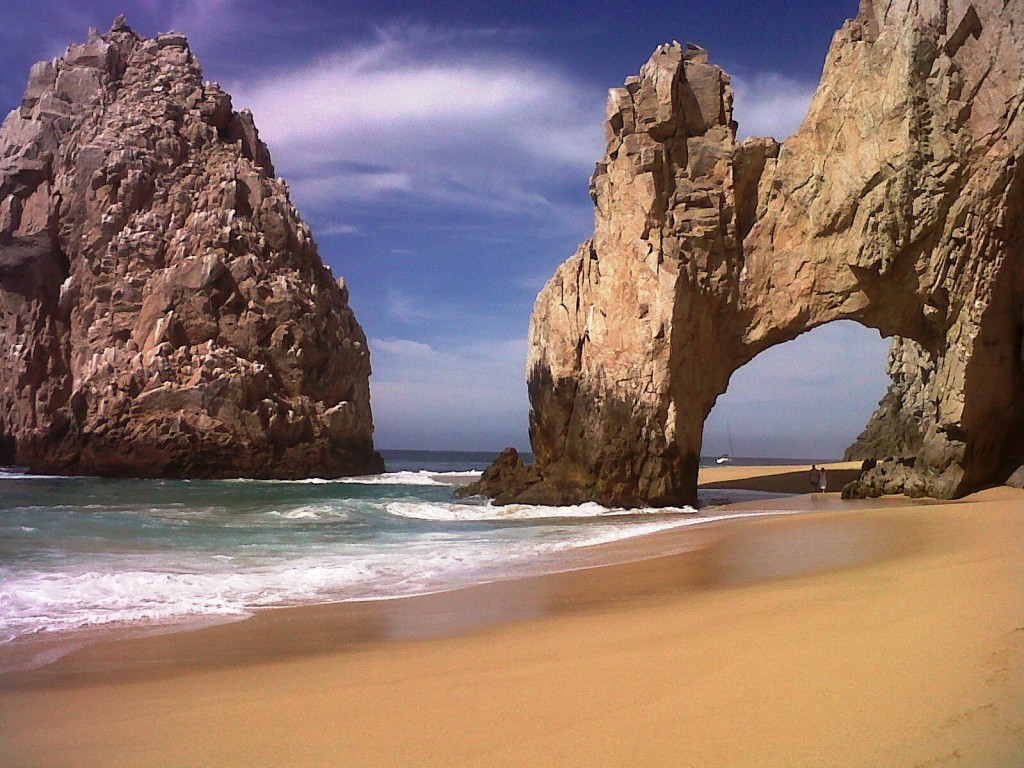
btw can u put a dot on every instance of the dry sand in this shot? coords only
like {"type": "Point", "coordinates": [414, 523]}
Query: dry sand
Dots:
{"type": "Point", "coordinates": [880, 634]}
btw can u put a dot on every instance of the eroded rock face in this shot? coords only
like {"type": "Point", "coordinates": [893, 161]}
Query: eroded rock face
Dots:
{"type": "Point", "coordinates": [899, 425]}
{"type": "Point", "coordinates": [897, 204]}
{"type": "Point", "coordinates": [165, 309]}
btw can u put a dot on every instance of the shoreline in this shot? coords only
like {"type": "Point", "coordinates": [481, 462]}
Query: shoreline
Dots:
{"type": "Point", "coordinates": [889, 633]}
{"type": "Point", "coordinates": [66, 655]}
{"type": "Point", "coordinates": [686, 558]}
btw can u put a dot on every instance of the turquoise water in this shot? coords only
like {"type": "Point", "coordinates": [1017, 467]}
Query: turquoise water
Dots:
{"type": "Point", "coordinates": [85, 552]}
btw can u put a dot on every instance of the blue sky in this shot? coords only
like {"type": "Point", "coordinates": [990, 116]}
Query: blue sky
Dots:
{"type": "Point", "coordinates": [441, 153]}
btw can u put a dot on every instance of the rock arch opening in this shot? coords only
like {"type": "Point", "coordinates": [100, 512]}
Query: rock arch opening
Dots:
{"type": "Point", "coordinates": [806, 399]}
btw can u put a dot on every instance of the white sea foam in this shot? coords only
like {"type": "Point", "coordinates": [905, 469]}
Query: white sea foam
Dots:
{"type": "Point", "coordinates": [422, 477]}
{"type": "Point", "coordinates": [36, 601]}
{"type": "Point", "coordinates": [446, 512]}
{"type": "Point", "coordinates": [303, 481]}
{"type": "Point", "coordinates": [419, 477]}
{"type": "Point", "coordinates": [406, 477]}
{"type": "Point", "coordinates": [19, 475]}
{"type": "Point", "coordinates": [162, 588]}
{"type": "Point", "coordinates": [311, 512]}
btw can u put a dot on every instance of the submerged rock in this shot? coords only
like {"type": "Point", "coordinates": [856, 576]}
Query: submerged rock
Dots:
{"type": "Point", "coordinates": [898, 203]}
{"type": "Point", "coordinates": [506, 479]}
{"type": "Point", "coordinates": [165, 309]}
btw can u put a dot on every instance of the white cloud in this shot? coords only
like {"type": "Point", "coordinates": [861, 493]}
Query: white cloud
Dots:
{"type": "Point", "coordinates": [469, 398]}
{"type": "Point", "coordinates": [199, 18]}
{"type": "Point", "coordinates": [205, 22]}
{"type": "Point", "coordinates": [405, 348]}
{"type": "Point", "coordinates": [407, 307]}
{"type": "Point", "coordinates": [372, 89]}
{"type": "Point", "coordinates": [336, 228]}
{"type": "Point", "coordinates": [351, 185]}
{"type": "Point", "coordinates": [445, 118]}
{"type": "Point", "coordinates": [770, 104]}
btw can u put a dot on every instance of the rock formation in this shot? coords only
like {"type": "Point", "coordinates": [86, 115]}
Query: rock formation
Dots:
{"type": "Point", "coordinates": [897, 203]}
{"type": "Point", "coordinates": [164, 308]}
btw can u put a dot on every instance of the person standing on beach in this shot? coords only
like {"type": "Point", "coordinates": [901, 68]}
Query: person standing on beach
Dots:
{"type": "Point", "coordinates": [815, 475]}
{"type": "Point", "coordinates": [822, 480]}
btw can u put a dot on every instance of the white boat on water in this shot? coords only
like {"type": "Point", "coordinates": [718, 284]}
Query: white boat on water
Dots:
{"type": "Point", "coordinates": [725, 458]}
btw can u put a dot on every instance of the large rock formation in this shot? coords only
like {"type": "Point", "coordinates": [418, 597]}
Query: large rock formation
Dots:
{"type": "Point", "coordinates": [898, 204]}
{"type": "Point", "coordinates": [164, 307]}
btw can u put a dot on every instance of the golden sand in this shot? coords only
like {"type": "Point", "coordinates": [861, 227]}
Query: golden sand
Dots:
{"type": "Point", "coordinates": [878, 634]}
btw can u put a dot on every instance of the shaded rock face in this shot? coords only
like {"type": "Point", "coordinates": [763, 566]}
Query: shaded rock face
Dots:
{"type": "Point", "coordinates": [899, 425]}
{"type": "Point", "coordinates": [507, 479]}
{"type": "Point", "coordinates": [164, 308]}
{"type": "Point", "coordinates": [897, 204]}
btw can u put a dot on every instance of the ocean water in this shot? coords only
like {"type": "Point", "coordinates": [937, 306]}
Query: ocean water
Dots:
{"type": "Point", "coordinates": [86, 552]}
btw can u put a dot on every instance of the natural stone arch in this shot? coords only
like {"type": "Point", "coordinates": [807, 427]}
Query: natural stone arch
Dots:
{"type": "Point", "coordinates": [897, 204]}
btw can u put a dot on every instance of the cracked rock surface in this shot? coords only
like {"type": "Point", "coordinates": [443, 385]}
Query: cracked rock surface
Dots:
{"type": "Point", "coordinates": [163, 306]}
{"type": "Point", "coordinates": [898, 203]}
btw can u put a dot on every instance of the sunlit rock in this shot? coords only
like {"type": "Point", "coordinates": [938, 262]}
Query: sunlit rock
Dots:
{"type": "Point", "coordinates": [164, 308]}
{"type": "Point", "coordinates": [897, 204]}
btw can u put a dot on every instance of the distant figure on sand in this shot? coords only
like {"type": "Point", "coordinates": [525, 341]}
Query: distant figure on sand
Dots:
{"type": "Point", "coordinates": [822, 480]}
{"type": "Point", "coordinates": [815, 475]}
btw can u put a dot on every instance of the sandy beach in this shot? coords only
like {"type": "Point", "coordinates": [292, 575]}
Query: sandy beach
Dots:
{"type": "Point", "coordinates": [887, 633]}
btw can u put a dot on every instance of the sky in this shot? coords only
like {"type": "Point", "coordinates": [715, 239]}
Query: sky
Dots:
{"type": "Point", "coordinates": [441, 153]}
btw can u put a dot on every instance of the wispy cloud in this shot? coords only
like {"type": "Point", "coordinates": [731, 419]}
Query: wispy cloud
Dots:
{"type": "Point", "coordinates": [771, 104]}
{"type": "Point", "coordinates": [202, 19]}
{"type": "Point", "coordinates": [350, 185]}
{"type": "Point", "coordinates": [450, 118]}
{"type": "Point", "coordinates": [336, 228]}
{"type": "Point", "coordinates": [409, 308]}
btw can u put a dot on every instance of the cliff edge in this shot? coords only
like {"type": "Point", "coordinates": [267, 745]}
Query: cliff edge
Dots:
{"type": "Point", "coordinates": [164, 307]}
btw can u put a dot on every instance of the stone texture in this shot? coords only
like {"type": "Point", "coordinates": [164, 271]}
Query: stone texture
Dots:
{"type": "Point", "coordinates": [164, 306]}
{"type": "Point", "coordinates": [507, 479]}
{"type": "Point", "coordinates": [897, 204]}
{"type": "Point", "coordinates": [1016, 479]}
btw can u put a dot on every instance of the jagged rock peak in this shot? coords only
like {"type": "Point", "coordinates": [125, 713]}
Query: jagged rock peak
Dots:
{"type": "Point", "coordinates": [165, 305]}
{"type": "Point", "coordinates": [898, 203]}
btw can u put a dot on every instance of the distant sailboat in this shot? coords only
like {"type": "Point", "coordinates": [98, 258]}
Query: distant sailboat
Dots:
{"type": "Point", "coordinates": [725, 458]}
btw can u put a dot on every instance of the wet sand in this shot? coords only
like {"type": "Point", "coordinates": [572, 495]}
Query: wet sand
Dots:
{"type": "Point", "coordinates": [793, 479]}
{"type": "Point", "coordinates": [875, 634]}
